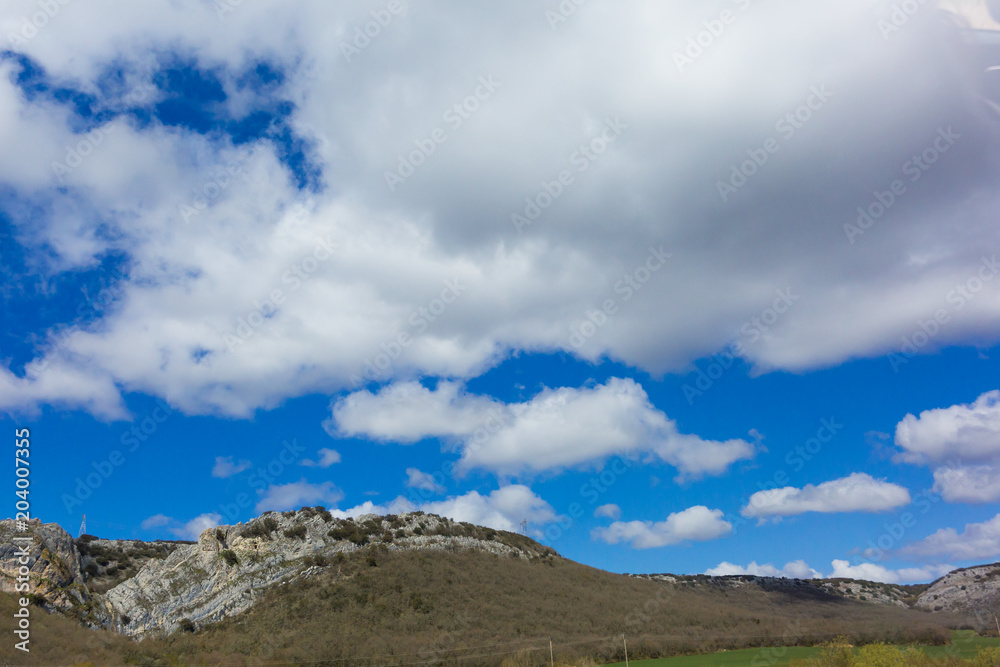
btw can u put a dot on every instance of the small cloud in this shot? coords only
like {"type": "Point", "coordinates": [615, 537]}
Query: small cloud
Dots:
{"type": "Point", "coordinates": [224, 467]}
{"type": "Point", "coordinates": [695, 524]}
{"type": "Point", "coordinates": [156, 521]}
{"type": "Point", "coordinates": [185, 531]}
{"type": "Point", "coordinates": [610, 511]}
{"type": "Point", "coordinates": [327, 457]}
{"type": "Point", "coordinates": [416, 479]}
{"type": "Point", "coordinates": [283, 497]}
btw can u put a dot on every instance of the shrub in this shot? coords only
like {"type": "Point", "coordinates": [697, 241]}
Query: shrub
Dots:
{"type": "Point", "coordinates": [987, 657]}
{"type": "Point", "coordinates": [296, 532]}
{"type": "Point", "coordinates": [230, 557]}
{"type": "Point", "coordinates": [327, 517]}
{"type": "Point", "coordinates": [220, 536]}
{"type": "Point", "coordinates": [185, 625]}
{"type": "Point", "coordinates": [262, 528]}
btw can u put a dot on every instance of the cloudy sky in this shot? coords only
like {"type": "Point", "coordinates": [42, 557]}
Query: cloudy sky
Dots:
{"type": "Point", "coordinates": [687, 286]}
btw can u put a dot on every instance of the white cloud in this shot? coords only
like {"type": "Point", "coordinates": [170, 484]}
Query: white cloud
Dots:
{"type": "Point", "coordinates": [695, 524]}
{"type": "Point", "coordinates": [156, 521]}
{"type": "Point", "coordinates": [874, 572]}
{"type": "Point", "coordinates": [558, 428]}
{"type": "Point", "coordinates": [327, 457]}
{"type": "Point", "coordinates": [968, 484]}
{"type": "Point", "coordinates": [185, 531]}
{"type": "Point", "coordinates": [191, 284]}
{"type": "Point", "coordinates": [858, 492]}
{"type": "Point", "coordinates": [609, 511]}
{"type": "Point", "coordinates": [415, 479]}
{"type": "Point", "coordinates": [224, 467]}
{"type": "Point", "coordinates": [979, 541]}
{"type": "Point", "coordinates": [794, 570]}
{"type": "Point", "coordinates": [961, 443]}
{"type": "Point", "coordinates": [284, 497]}
{"type": "Point", "coordinates": [970, 433]}
{"type": "Point", "coordinates": [502, 509]}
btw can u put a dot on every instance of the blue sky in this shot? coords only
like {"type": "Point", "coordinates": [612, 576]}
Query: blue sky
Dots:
{"type": "Point", "coordinates": [674, 322]}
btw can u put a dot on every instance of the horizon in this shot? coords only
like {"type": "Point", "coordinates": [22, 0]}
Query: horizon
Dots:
{"type": "Point", "coordinates": [684, 288]}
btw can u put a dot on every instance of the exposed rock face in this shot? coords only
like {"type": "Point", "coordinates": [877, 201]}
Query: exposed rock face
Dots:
{"type": "Point", "coordinates": [140, 587]}
{"type": "Point", "coordinates": [972, 589]}
{"type": "Point", "coordinates": [55, 568]}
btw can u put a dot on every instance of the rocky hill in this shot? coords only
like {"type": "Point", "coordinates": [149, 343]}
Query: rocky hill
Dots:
{"type": "Point", "coordinates": [970, 590]}
{"type": "Point", "coordinates": [137, 588]}
{"type": "Point", "coordinates": [304, 586]}
{"type": "Point", "coordinates": [897, 595]}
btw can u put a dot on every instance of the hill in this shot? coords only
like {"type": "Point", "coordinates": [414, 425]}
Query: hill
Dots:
{"type": "Point", "coordinates": [404, 589]}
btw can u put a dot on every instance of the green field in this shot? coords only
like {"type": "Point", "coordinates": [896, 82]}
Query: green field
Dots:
{"type": "Point", "coordinates": [966, 642]}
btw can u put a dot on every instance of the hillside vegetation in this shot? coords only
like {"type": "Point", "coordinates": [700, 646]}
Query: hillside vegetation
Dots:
{"type": "Point", "coordinates": [379, 606]}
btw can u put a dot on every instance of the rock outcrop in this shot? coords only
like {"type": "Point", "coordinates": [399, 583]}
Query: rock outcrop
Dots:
{"type": "Point", "coordinates": [970, 589]}
{"type": "Point", "coordinates": [139, 588]}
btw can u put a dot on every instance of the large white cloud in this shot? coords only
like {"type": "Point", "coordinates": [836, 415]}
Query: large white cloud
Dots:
{"type": "Point", "coordinates": [961, 443]}
{"type": "Point", "coordinates": [979, 541]}
{"type": "Point", "coordinates": [858, 492]}
{"type": "Point", "coordinates": [558, 428]}
{"type": "Point", "coordinates": [504, 508]}
{"type": "Point", "coordinates": [695, 524]}
{"type": "Point", "coordinates": [189, 285]}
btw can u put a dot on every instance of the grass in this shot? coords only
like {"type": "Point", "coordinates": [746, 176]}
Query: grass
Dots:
{"type": "Point", "coordinates": [965, 644]}
{"type": "Point", "coordinates": [769, 656]}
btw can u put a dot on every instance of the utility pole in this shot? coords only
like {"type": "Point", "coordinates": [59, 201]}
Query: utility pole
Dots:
{"type": "Point", "coordinates": [998, 624]}
{"type": "Point", "coordinates": [625, 643]}
{"type": "Point", "coordinates": [552, 660]}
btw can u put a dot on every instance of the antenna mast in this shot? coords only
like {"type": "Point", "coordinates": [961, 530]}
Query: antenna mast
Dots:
{"type": "Point", "coordinates": [83, 526]}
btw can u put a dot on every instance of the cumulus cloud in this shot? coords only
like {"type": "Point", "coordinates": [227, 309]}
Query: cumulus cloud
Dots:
{"type": "Point", "coordinates": [609, 511]}
{"type": "Point", "coordinates": [794, 570]}
{"type": "Point", "coordinates": [858, 492]}
{"type": "Point", "coordinates": [184, 531]}
{"type": "Point", "coordinates": [284, 497]}
{"type": "Point", "coordinates": [416, 479]}
{"type": "Point", "coordinates": [843, 569]}
{"type": "Point", "coordinates": [427, 283]}
{"type": "Point", "coordinates": [961, 443]}
{"type": "Point", "coordinates": [503, 509]}
{"type": "Point", "coordinates": [695, 524]}
{"type": "Point", "coordinates": [327, 457]}
{"type": "Point", "coordinates": [558, 428]}
{"type": "Point", "coordinates": [225, 467]}
{"type": "Point", "coordinates": [979, 541]}
{"type": "Point", "coordinates": [880, 573]}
